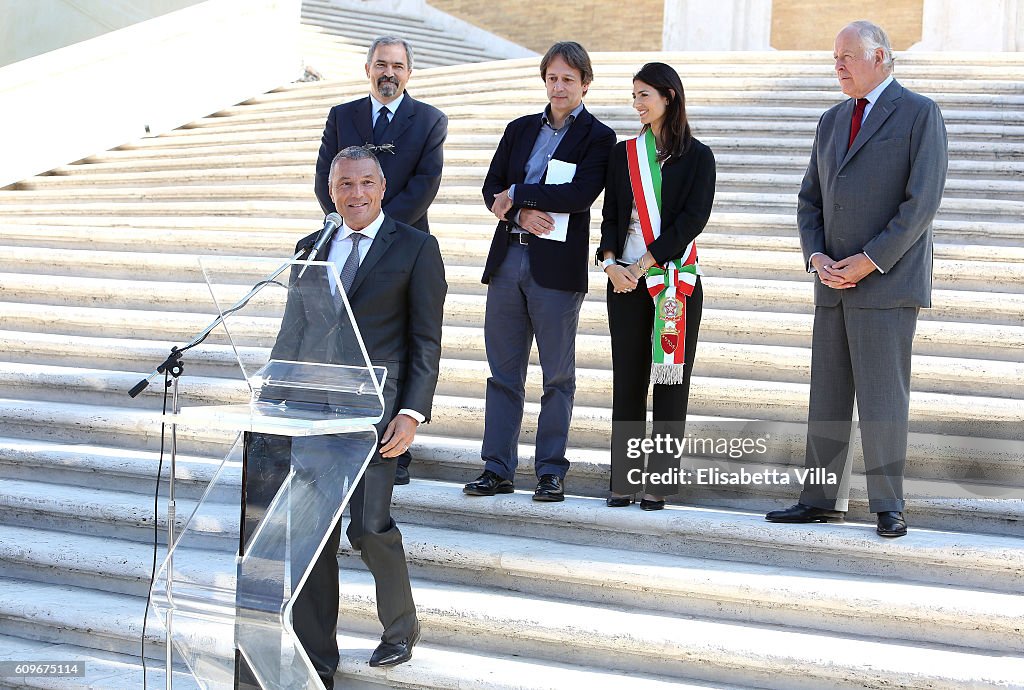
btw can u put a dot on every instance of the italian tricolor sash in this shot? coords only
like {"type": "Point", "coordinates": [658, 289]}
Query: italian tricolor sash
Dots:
{"type": "Point", "coordinates": [668, 285]}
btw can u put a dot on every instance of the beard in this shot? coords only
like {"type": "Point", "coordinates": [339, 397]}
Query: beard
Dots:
{"type": "Point", "coordinates": [387, 87]}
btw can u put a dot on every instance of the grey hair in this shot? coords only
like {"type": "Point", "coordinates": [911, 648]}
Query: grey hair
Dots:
{"type": "Point", "coordinates": [390, 41]}
{"type": "Point", "coordinates": [873, 37]}
{"type": "Point", "coordinates": [354, 153]}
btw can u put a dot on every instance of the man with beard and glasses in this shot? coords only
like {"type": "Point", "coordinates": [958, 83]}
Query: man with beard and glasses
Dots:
{"type": "Point", "coordinates": [406, 135]}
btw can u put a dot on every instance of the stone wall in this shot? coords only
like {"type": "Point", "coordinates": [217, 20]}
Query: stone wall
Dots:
{"type": "Point", "coordinates": [813, 24]}
{"type": "Point", "coordinates": [596, 24]}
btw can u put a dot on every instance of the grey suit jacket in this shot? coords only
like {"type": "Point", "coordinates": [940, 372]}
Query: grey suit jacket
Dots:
{"type": "Point", "coordinates": [880, 197]}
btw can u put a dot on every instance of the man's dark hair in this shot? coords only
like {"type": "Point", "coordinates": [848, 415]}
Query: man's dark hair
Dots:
{"type": "Point", "coordinates": [354, 153]}
{"type": "Point", "coordinates": [675, 132]}
{"type": "Point", "coordinates": [574, 55]}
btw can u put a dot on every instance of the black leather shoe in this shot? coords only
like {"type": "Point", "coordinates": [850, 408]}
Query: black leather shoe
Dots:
{"type": "Point", "coordinates": [891, 524]}
{"type": "Point", "coordinates": [401, 475]}
{"type": "Point", "coordinates": [549, 489]}
{"type": "Point", "coordinates": [488, 484]}
{"type": "Point", "coordinates": [803, 514]}
{"type": "Point", "coordinates": [388, 654]}
{"type": "Point", "coordinates": [647, 504]}
{"type": "Point", "coordinates": [619, 501]}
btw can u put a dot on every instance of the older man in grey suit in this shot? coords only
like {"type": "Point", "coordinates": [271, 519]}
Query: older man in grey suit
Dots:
{"type": "Point", "coordinates": [866, 205]}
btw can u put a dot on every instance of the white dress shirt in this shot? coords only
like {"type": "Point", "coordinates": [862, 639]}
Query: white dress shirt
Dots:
{"type": "Point", "coordinates": [341, 248]}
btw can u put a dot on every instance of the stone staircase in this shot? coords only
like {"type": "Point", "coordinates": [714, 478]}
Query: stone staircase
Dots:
{"type": "Point", "coordinates": [99, 276]}
{"type": "Point", "coordinates": [336, 34]}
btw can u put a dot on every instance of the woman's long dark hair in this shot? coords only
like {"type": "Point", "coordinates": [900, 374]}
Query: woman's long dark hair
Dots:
{"type": "Point", "coordinates": [675, 131]}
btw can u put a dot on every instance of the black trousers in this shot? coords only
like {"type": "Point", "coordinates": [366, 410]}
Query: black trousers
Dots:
{"type": "Point", "coordinates": [631, 323]}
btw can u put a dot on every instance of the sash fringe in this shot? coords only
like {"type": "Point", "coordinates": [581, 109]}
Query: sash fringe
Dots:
{"type": "Point", "coordinates": [667, 374]}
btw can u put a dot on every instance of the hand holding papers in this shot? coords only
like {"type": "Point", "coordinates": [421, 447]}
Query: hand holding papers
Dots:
{"type": "Point", "coordinates": [559, 172]}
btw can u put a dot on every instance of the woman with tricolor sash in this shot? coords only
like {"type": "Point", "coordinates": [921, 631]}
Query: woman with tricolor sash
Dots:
{"type": "Point", "coordinates": [657, 199]}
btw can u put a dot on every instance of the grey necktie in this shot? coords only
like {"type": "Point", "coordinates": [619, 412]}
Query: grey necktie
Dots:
{"type": "Point", "coordinates": [351, 267]}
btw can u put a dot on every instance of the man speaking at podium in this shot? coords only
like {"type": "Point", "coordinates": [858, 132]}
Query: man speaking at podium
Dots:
{"type": "Point", "coordinates": [394, 279]}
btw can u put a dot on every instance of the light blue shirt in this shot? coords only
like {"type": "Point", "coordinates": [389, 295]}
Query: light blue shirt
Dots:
{"type": "Point", "coordinates": [376, 105]}
{"type": "Point", "coordinates": [543, 149]}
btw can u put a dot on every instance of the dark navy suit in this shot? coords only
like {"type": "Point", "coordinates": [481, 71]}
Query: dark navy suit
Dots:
{"type": "Point", "coordinates": [412, 170]}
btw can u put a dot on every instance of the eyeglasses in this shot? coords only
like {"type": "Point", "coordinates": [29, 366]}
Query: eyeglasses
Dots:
{"type": "Point", "coordinates": [382, 148]}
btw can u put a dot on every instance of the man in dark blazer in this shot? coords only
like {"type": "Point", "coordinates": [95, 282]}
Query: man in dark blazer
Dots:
{"type": "Point", "coordinates": [866, 205]}
{"type": "Point", "coordinates": [397, 296]}
{"type": "Point", "coordinates": [409, 140]}
{"type": "Point", "coordinates": [536, 285]}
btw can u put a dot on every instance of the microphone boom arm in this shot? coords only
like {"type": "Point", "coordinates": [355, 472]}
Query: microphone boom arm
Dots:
{"type": "Point", "coordinates": [173, 361]}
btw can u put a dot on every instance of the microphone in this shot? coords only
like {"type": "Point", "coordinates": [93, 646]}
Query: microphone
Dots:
{"type": "Point", "coordinates": [331, 223]}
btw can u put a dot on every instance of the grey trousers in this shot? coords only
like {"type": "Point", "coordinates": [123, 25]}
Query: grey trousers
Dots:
{"type": "Point", "coordinates": [517, 310]}
{"type": "Point", "coordinates": [867, 353]}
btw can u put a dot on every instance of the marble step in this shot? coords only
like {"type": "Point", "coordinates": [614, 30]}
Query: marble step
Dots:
{"type": "Point", "coordinates": [307, 141]}
{"type": "Point", "coordinates": [943, 492]}
{"type": "Point", "coordinates": [963, 127]}
{"type": "Point", "coordinates": [719, 360]}
{"type": "Point", "coordinates": [653, 583]}
{"type": "Point", "coordinates": [936, 498]}
{"type": "Point", "coordinates": [939, 413]}
{"type": "Point", "coordinates": [684, 647]}
{"type": "Point", "coordinates": [296, 201]}
{"type": "Point", "coordinates": [1001, 242]}
{"type": "Point", "coordinates": [993, 470]}
{"type": "Point", "coordinates": [134, 289]}
{"type": "Point", "coordinates": [103, 670]}
{"type": "Point", "coordinates": [935, 338]}
{"type": "Point", "coordinates": [435, 666]}
{"type": "Point", "coordinates": [154, 185]}
{"type": "Point", "coordinates": [458, 164]}
{"type": "Point", "coordinates": [986, 561]}
{"type": "Point", "coordinates": [752, 114]}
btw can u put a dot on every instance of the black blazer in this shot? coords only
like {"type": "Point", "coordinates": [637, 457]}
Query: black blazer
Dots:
{"type": "Point", "coordinates": [557, 265]}
{"type": "Point", "coordinates": [413, 171]}
{"type": "Point", "coordinates": [687, 193]}
{"type": "Point", "coordinates": [397, 300]}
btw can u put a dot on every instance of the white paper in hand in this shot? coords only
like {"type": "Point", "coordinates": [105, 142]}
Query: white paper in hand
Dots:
{"type": "Point", "coordinates": [559, 172]}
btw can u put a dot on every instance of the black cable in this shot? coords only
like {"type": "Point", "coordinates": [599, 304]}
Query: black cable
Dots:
{"type": "Point", "coordinates": [156, 531]}
{"type": "Point", "coordinates": [232, 310]}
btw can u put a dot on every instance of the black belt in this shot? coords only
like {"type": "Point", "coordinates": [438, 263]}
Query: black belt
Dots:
{"type": "Point", "coordinates": [521, 238]}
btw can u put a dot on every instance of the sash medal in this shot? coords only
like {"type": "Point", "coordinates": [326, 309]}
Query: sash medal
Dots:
{"type": "Point", "coordinates": [668, 285]}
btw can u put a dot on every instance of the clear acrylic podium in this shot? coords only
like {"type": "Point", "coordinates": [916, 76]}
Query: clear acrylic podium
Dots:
{"type": "Point", "coordinates": [227, 586]}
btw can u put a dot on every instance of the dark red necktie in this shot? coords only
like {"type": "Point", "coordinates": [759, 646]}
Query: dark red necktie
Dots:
{"type": "Point", "coordinates": [858, 115]}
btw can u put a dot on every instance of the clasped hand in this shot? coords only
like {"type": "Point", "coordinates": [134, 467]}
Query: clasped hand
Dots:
{"type": "Point", "coordinates": [622, 278]}
{"type": "Point", "coordinates": [842, 274]}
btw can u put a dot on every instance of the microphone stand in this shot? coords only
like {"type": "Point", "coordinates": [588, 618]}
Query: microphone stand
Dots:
{"type": "Point", "coordinates": [174, 366]}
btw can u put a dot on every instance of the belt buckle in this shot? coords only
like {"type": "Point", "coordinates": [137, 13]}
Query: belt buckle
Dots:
{"type": "Point", "coordinates": [520, 238]}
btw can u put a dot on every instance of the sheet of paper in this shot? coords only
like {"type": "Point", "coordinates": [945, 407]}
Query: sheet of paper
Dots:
{"type": "Point", "coordinates": [559, 172]}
